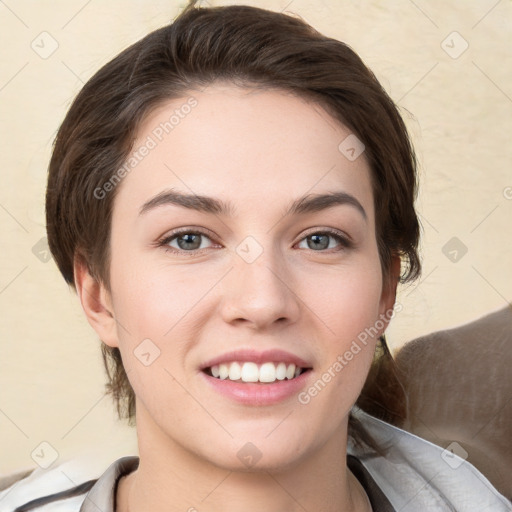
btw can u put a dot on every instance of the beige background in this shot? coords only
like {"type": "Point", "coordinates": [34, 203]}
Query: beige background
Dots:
{"type": "Point", "coordinates": [459, 111]}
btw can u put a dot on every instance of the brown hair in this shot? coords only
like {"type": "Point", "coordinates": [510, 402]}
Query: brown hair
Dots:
{"type": "Point", "coordinates": [249, 47]}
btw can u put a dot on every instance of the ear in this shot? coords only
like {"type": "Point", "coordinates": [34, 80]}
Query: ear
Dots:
{"type": "Point", "coordinates": [96, 303]}
{"type": "Point", "coordinates": [388, 296]}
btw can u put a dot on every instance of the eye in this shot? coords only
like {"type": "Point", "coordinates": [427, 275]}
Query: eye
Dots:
{"type": "Point", "coordinates": [192, 241]}
{"type": "Point", "coordinates": [320, 240]}
{"type": "Point", "coordinates": [185, 241]}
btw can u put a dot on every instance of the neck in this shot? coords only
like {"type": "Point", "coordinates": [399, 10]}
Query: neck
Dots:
{"type": "Point", "coordinates": [171, 478]}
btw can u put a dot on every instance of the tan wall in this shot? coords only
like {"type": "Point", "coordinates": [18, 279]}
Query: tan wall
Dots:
{"type": "Point", "coordinates": [51, 379]}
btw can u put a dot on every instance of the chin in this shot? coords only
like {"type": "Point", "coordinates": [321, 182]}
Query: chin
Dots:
{"type": "Point", "coordinates": [262, 452]}
{"type": "Point", "coordinates": [250, 459]}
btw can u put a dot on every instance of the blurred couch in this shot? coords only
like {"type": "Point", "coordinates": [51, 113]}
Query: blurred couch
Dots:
{"type": "Point", "coordinates": [458, 389]}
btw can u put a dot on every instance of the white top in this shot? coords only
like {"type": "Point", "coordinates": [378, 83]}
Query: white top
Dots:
{"type": "Point", "coordinates": [415, 476]}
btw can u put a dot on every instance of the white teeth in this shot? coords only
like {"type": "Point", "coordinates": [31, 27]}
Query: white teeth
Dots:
{"type": "Point", "coordinates": [268, 372]}
{"type": "Point", "coordinates": [223, 371]}
{"type": "Point", "coordinates": [251, 372]}
{"type": "Point", "coordinates": [280, 371]}
{"type": "Point", "coordinates": [235, 371]}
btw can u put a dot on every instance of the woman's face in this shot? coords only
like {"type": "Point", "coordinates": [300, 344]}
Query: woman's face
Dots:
{"type": "Point", "coordinates": [255, 276]}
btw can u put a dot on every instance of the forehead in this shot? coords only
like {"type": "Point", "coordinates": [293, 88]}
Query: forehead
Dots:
{"type": "Point", "coordinates": [242, 145]}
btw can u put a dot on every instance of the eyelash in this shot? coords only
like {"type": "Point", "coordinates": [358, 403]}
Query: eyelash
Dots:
{"type": "Point", "coordinates": [344, 242]}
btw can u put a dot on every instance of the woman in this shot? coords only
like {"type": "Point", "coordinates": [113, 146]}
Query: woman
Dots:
{"type": "Point", "coordinates": [232, 198]}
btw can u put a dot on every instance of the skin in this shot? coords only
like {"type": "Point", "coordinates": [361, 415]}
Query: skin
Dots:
{"type": "Point", "coordinates": [260, 150]}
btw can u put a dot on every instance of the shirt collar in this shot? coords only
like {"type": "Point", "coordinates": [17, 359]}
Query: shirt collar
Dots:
{"type": "Point", "coordinates": [102, 496]}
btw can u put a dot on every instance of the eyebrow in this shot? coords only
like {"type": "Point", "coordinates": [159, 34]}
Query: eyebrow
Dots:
{"type": "Point", "coordinates": [306, 204]}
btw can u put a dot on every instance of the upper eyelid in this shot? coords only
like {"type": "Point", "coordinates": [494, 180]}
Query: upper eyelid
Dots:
{"type": "Point", "coordinates": [328, 231]}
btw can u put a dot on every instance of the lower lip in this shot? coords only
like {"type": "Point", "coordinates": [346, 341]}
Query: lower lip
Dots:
{"type": "Point", "coordinates": [254, 393]}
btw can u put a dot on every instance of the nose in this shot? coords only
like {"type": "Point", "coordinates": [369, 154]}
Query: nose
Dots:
{"type": "Point", "coordinates": [260, 293]}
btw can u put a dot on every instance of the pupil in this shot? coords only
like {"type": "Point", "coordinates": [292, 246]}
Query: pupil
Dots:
{"type": "Point", "coordinates": [317, 245]}
{"type": "Point", "coordinates": [185, 240]}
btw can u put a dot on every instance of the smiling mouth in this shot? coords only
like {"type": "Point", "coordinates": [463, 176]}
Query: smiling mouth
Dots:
{"type": "Point", "coordinates": [247, 371]}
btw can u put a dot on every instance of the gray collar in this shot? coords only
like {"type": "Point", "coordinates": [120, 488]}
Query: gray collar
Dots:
{"type": "Point", "coordinates": [102, 495]}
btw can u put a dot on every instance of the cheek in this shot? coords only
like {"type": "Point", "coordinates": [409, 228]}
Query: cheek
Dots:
{"type": "Point", "coordinates": [349, 300]}
{"type": "Point", "coordinates": [152, 308]}
{"type": "Point", "coordinates": [150, 301]}
{"type": "Point", "coordinates": [155, 330]}
{"type": "Point", "coordinates": [348, 306]}
{"type": "Point", "coordinates": [161, 310]}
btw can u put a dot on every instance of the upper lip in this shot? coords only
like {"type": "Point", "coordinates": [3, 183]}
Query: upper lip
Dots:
{"type": "Point", "coordinates": [243, 355]}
